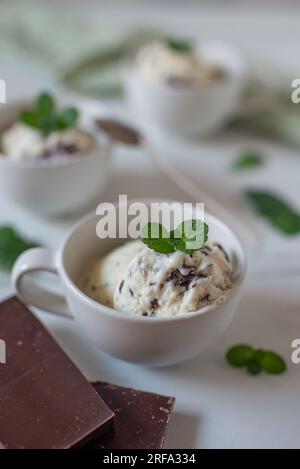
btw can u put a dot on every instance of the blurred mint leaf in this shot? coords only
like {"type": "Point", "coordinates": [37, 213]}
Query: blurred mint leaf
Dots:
{"type": "Point", "coordinates": [12, 244]}
{"type": "Point", "coordinates": [29, 118]}
{"type": "Point", "coordinates": [179, 45]}
{"type": "Point", "coordinates": [239, 355]}
{"type": "Point", "coordinates": [281, 215]}
{"type": "Point", "coordinates": [46, 118]}
{"type": "Point", "coordinates": [255, 360]}
{"type": "Point", "coordinates": [253, 367]}
{"type": "Point", "coordinates": [45, 104]}
{"type": "Point", "coordinates": [272, 363]}
{"type": "Point", "coordinates": [248, 160]}
{"type": "Point", "coordinates": [68, 118]}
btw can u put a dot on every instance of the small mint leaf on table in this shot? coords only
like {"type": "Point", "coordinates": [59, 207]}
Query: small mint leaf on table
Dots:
{"type": "Point", "coordinates": [253, 367]}
{"type": "Point", "coordinates": [248, 160]}
{"type": "Point", "coordinates": [156, 237]}
{"type": "Point", "coordinates": [255, 360]}
{"type": "Point", "coordinates": [239, 355]}
{"type": "Point", "coordinates": [12, 244]}
{"type": "Point", "coordinates": [259, 354]}
{"type": "Point", "coordinates": [272, 363]}
{"type": "Point", "coordinates": [278, 212]}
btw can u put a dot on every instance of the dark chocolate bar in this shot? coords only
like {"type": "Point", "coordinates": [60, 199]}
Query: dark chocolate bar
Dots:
{"type": "Point", "coordinates": [141, 418]}
{"type": "Point", "coordinates": [45, 401]}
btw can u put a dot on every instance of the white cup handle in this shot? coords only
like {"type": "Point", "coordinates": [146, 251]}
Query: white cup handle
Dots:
{"type": "Point", "coordinates": [34, 260]}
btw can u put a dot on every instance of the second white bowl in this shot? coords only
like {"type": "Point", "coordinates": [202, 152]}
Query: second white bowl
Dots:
{"type": "Point", "coordinates": [190, 110]}
{"type": "Point", "coordinates": [54, 188]}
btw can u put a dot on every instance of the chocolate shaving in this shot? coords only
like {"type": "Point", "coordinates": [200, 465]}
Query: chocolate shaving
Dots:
{"type": "Point", "coordinates": [205, 250]}
{"type": "Point", "coordinates": [184, 280]}
{"type": "Point", "coordinates": [154, 304]}
{"type": "Point", "coordinates": [206, 298]}
{"type": "Point", "coordinates": [121, 286]}
{"type": "Point", "coordinates": [223, 251]}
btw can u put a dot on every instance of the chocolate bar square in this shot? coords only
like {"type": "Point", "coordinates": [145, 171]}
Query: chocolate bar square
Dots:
{"type": "Point", "coordinates": [45, 401]}
{"type": "Point", "coordinates": [141, 418]}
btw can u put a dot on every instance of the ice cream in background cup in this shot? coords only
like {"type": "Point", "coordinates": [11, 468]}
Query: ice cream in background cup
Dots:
{"type": "Point", "coordinates": [185, 89]}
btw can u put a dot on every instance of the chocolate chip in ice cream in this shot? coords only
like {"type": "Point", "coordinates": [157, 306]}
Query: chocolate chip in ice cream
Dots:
{"type": "Point", "coordinates": [121, 286]}
{"type": "Point", "coordinates": [154, 304]}
{"type": "Point", "coordinates": [223, 251]}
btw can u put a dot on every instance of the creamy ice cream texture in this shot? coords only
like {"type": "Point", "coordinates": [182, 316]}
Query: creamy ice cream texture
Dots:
{"type": "Point", "coordinates": [21, 142]}
{"type": "Point", "coordinates": [136, 279]}
{"type": "Point", "coordinates": [157, 63]}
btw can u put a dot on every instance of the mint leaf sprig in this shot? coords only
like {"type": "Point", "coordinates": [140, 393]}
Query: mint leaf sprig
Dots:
{"type": "Point", "coordinates": [181, 46]}
{"type": "Point", "coordinates": [275, 210]}
{"type": "Point", "coordinates": [189, 236]}
{"type": "Point", "coordinates": [45, 116]}
{"type": "Point", "coordinates": [248, 160]}
{"type": "Point", "coordinates": [12, 244]}
{"type": "Point", "coordinates": [255, 360]}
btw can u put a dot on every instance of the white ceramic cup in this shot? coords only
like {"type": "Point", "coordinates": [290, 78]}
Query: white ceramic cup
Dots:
{"type": "Point", "coordinates": [195, 110]}
{"type": "Point", "coordinates": [61, 186]}
{"type": "Point", "coordinates": [144, 340]}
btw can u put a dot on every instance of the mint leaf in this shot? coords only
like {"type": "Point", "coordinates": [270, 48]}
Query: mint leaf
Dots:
{"type": "Point", "coordinates": [190, 235]}
{"type": "Point", "coordinates": [272, 363]}
{"type": "Point", "coordinates": [156, 237]}
{"type": "Point", "coordinates": [239, 355]}
{"type": "Point", "coordinates": [45, 104]}
{"type": "Point", "coordinates": [253, 367]}
{"type": "Point", "coordinates": [68, 118]}
{"type": "Point", "coordinates": [11, 246]}
{"type": "Point", "coordinates": [194, 234]}
{"type": "Point", "coordinates": [255, 360]}
{"type": "Point", "coordinates": [29, 118]}
{"type": "Point", "coordinates": [281, 215]}
{"type": "Point", "coordinates": [179, 45]}
{"type": "Point", "coordinates": [248, 160]}
{"type": "Point", "coordinates": [45, 117]}
{"type": "Point", "coordinates": [259, 354]}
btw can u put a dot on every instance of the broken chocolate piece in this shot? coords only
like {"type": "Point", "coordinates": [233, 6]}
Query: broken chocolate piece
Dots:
{"type": "Point", "coordinates": [141, 418]}
{"type": "Point", "coordinates": [45, 401]}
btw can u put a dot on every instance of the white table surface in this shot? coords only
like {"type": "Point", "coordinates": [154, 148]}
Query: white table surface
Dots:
{"type": "Point", "coordinates": [216, 406]}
